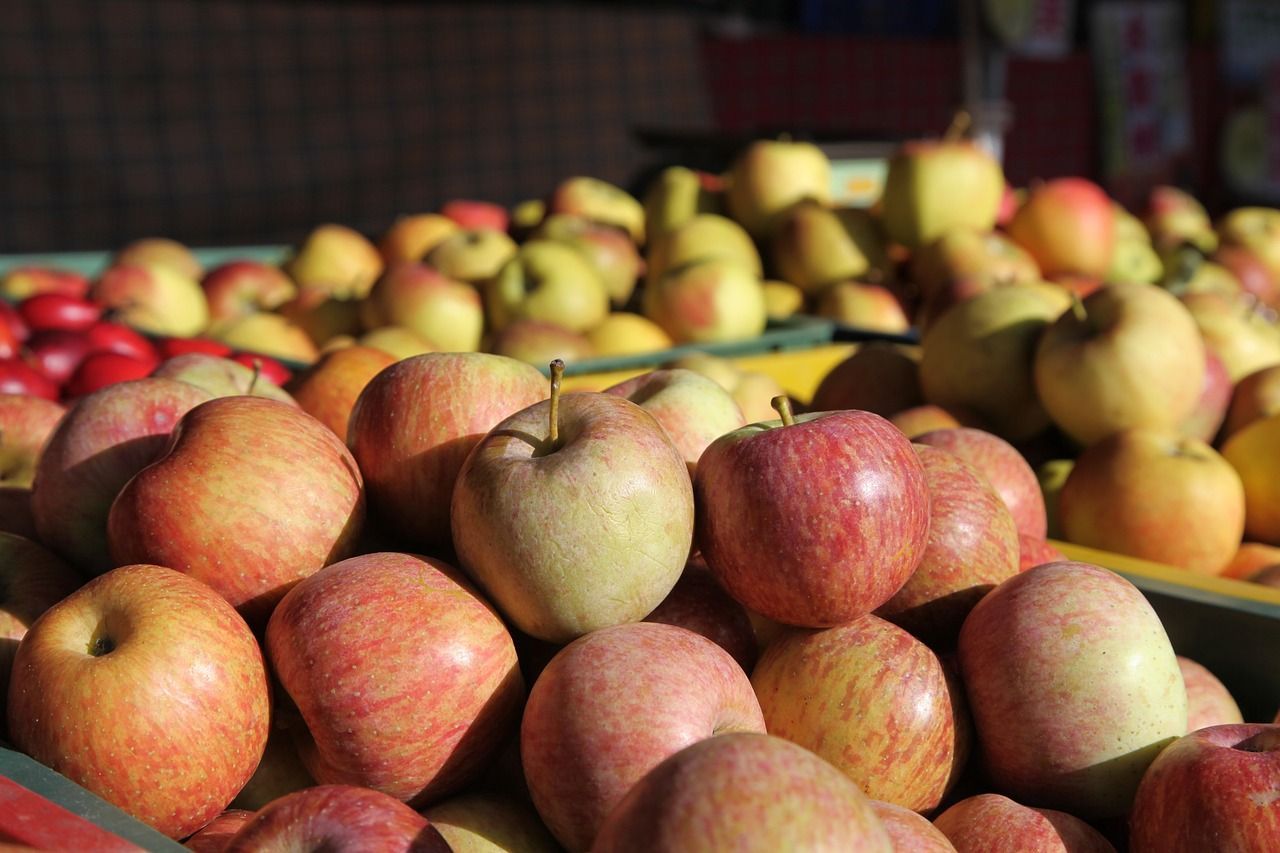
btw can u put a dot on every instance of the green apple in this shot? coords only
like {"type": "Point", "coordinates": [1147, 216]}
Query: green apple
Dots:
{"type": "Point", "coordinates": [471, 255]}
{"type": "Point", "coordinates": [610, 250]}
{"type": "Point", "coordinates": [709, 301]}
{"type": "Point", "coordinates": [816, 246]}
{"type": "Point", "coordinates": [701, 238]}
{"type": "Point", "coordinates": [1244, 337]}
{"type": "Point", "coordinates": [1134, 261]}
{"type": "Point", "coordinates": [548, 281]}
{"type": "Point", "coordinates": [770, 177]}
{"type": "Point", "coordinates": [336, 259]}
{"type": "Point", "coordinates": [599, 201]}
{"type": "Point", "coordinates": [1175, 217]}
{"type": "Point", "coordinates": [936, 185]}
{"type": "Point", "coordinates": [674, 197]}
{"type": "Point", "coordinates": [156, 300]}
{"type": "Point", "coordinates": [418, 297]}
{"type": "Point", "coordinates": [1257, 229]}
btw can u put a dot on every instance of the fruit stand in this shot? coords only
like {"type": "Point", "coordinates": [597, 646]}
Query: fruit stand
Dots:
{"type": "Point", "coordinates": [804, 492]}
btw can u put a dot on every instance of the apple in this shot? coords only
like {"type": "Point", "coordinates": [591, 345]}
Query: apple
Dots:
{"type": "Point", "coordinates": [1068, 226]}
{"type": "Point", "coordinates": [919, 420]}
{"type": "Point", "coordinates": [1128, 355]}
{"type": "Point", "coordinates": [610, 251]}
{"type": "Point", "coordinates": [1134, 261]}
{"type": "Point", "coordinates": [271, 334]}
{"type": "Point", "coordinates": [589, 475]}
{"type": "Point", "coordinates": [396, 341]}
{"type": "Point", "coordinates": [995, 823]}
{"type": "Point", "coordinates": [1175, 217]}
{"type": "Point", "coordinates": [472, 255]}
{"type": "Point", "coordinates": [1214, 789]}
{"type": "Point", "coordinates": [1257, 229]}
{"type": "Point", "coordinates": [547, 281]}
{"type": "Point", "coordinates": [816, 246]}
{"type": "Point", "coordinates": [221, 377]}
{"type": "Point", "coordinates": [1252, 452]}
{"type": "Point", "coordinates": [866, 306]}
{"type": "Point", "coordinates": [280, 771]}
{"type": "Point", "coordinates": [489, 823]}
{"type": "Point", "coordinates": [963, 263]}
{"type": "Point", "coordinates": [1158, 496]}
{"type": "Point", "coordinates": [157, 300]}
{"type": "Point", "coordinates": [328, 389]}
{"type": "Point", "coordinates": [106, 336]}
{"type": "Point", "coordinates": [57, 353]}
{"type": "Point", "coordinates": [909, 832]}
{"type": "Point", "coordinates": [264, 365]}
{"type": "Point", "coordinates": [1210, 413]}
{"type": "Point", "coordinates": [1034, 552]}
{"type": "Point", "coordinates": [526, 215]}
{"type": "Point", "coordinates": [710, 301]}
{"type": "Point", "coordinates": [676, 195]}
{"type": "Point", "coordinates": [1052, 475]}
{"type": "Point", "coordinates": [21, 282]}
{"type": "Point", "coordinates": [418, 297]}
{"type": "Point", "coordinates": [1243, 337]}
{"type": "Point", "coordinates": [703, 237]}
{"type": "Point", "coordinates": [100, 369]}
{"type": "Point", "coordinates": [1209, 703]}
{"type": "Point", "coordinates": [1086, 640]}
{"type": "Point", "coordinates": [625, 333]}
{"type": "Point", "coordinates": [878, 377]}
{"type": "Point", "coordinates": [18, 377]}
{"type": "Point", "coordinates": [1251, 558]}
{"type": "Point", "coordinates": [9, 342]}
{"type": "Point", "coordinates": [214, 835]}
{"type": "Point", "coordinates": [377, 650]}
{"type": "Point", "coordinates": [743, 791]}
{"type": "Point", "coordinates": [337, 817]}
{"type": "Point", "coordinates": [49, 311]}
{"type": "Point", "coordinates": [145, 687]}
{"type": "Point", "coordinates": [754, 392]}
{"type": "Point", "coordinates": [155, 252]}
{"type": "Point", "coordinates": [837, 500]}
{"type": "Point", "coordinates": [337, 260]}
{"type": "Point", "coordinates": [599, 201]}
{"type": "Point", "coordinates": [470, 213]}
{"type": "Point", "coordinates": [979, 355]}
{"type": "Point", "coordinates": [1254, 397]}
{"type": "Point", "coordinates": [102, 441]}
{"type": "Point", "coordinates": [26, 423]}
{"type": "Point", "coordinates": [243, 287]}
{"type": "Point", "coordinates": [167, 347]}
{"type": "Point", "coordinates": [411, 237]}
{"type": "Point", "coordinates": [615, 703]}
{"type": "Point", "coordinates": [1003, 467]}
{"type": "Point", "coordinates": [782, 299]}
{"type": "Point", "coordinates": [770, 177]}
{"type": "Point", "coordinates": [692, 409]}
{"type": "Point", "coordinates": [699, 604]}
{"type": "Point", "coordinates": [1266, 576]}
{"type": "Point", "coordinates": [972, 547]}
{"type": "Point", "coordinates": [1252, 274]}
{"type": "Point", "coordinates": [872, 700]}
{"type": "Point", "coordinates": [538, 343]}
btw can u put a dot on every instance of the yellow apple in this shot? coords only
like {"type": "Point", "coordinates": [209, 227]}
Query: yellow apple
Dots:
{"type": "Point", "coordinates": [336, 259]}
{"type": "Point", "coordinates": [772, 176]}
{"type": "Point", "coordinates": [710, 301]}
{"type": "Point", "coordinates": [624, 333]}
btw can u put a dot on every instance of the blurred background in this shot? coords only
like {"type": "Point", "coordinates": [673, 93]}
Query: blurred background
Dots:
{"type": "Point", "coordinates": [219, 122]}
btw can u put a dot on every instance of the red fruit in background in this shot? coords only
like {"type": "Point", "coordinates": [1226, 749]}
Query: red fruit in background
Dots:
{"type": "Point", "coordinates": [101, 369]}
{"type": "Point", "coordinates": [1068, 226]}
{"type": "Point", "coordinates": [28, 281]}
{"type": "Point", "coordinates": [58, 311]}
{"type": "Point", "coordinates": [216, 833]}
{"type": "Point", "coordinates": [11, 320]}
{"type": "Point", "coordinates": [997, 824]}
{"type": "Point", "coordinates": [477, 214]}
{"type": "Point", "coordinates": [18, 377]}
{"type": "Point", "coordinates": [106, 336]}
{"type": "Point", "coordinates": [269, 367]}
{"type": "Point", "coordinates": [57, 353]}
{"type": "Point", "coordinates": [1252, 272]}
{"type": "Point", "coordinates": [169, 347]}
{"type": "Point", "coordinates": [8, 342]}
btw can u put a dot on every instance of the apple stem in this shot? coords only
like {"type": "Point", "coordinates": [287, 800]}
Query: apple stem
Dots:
{"type": "Point", "coordinates": [959, 126]}
{"type": "Point", "coordinates": [782, 404]}
{"type": "Point", "coordinates": [557, 371]}
{"type": "Point", "coordinates": [1078, 309]}
{"type": "Point", "coordinates": [253, 380]}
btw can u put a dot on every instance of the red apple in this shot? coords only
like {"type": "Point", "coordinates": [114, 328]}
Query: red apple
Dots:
{"type": "Point", "coordinates": [18, 377]}
{"type": "Point", "coordinates": [996, 824]}
{"type": "Point", "coordinates": [270, 368]}
{"type": "Point", "coordinates": [1035, 552]}
{"type": "Point", "coordinates": [158, 300]}
{"type": "Point", "coordinates": [26, 423]}
{"type": "Point", "coordinates": [221, 377]}
{"type": "Point", "coordinates": [250, 496]}
{"type": "Point", "coordinates": [420, 298]}
{"type": "Point", "coordinates": [411, 237]}
{"type": "Point", "coordinates": [100, 369]}
{"type": "Point", "coordinates": [909, 831]}
{"type": "Point", "coordinates": [214, 835]}
{"type": "Point", "coordinates": [170, 347]}
{"type": "Point", "coordinates": [407, 680]}
{"type": "Point", "coordinates": [328, 389]}
{"type": "Point", "coordinates": [469, 213]}
{"type": "Point", "coordinates": [1005, 469]}
{"type": "Point", "coordinates": [837, 501]}
{"type": "Point", "coordinates": [22, 282]}
{"type": "Point", "coordinates": [1253, 274]}
{"type": "Point", "coordinates": [145, 687]}
{"type": "Point", "coordinates": [1073, 686]}
{"type": "Point", "coordinates": [57, 353]}
{"type": "Point", "coordinates": [879, 377]}
{"type": "Point", "coordinates": [103, 440]}
{"type": "Point", "coordinates": [1068, 226]}
{"type": "Point", "coordinates": [11, 320]}
{"type": "Point", "coordinates": [615, 703]}
{"type": "Point", "coordinates": [918, 420]}
{"type": "Point", "coordinates": [743, 792]}
{"type": "Point", "coordinates": [1215, 397]}
{"type": "Point", "coordinates": [699, 604]}
{"type": "Point", "coordinates": [337, 817]}
{"type": "Point", "coordinates": [58, 311]}
{"type": "Point", "coordinates": [1209, 703]}
{"type": "Point", "coordinates": [9, 343]}
{"type": "Point", "coordinates": [243, 287]}
{"type": "Point", "coordinates": [872, 700]}
{"type": "Point", "coordinates": [106, 336]}
{"type": "Point", "coordinates": [972, 546]}
{"type": "Point", "coordinates": [1215, 789]}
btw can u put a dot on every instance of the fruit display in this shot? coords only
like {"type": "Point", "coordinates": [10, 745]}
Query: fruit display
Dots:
{"type": "Point", "coordinates": [292, 586]}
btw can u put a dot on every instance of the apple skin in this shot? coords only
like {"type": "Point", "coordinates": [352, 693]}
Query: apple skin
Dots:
{"type": "Point", "coordinates": [337, 260]}
{"type": "Point", "coordinates": [703, 237]}
{"type": "Point", "coordinates": [919, 420]}
{"type": "Point", "coordinates": [625, 333]}
{"type": "Point", "coordinates": [872, 700]}
{"type": "Point", "coordinates": [411, 237]}
{"type": "Point", "coordinates": [470, 213]}
{"type": "Point", "coordinates": [1214, 789]}
{"type": "Point", "coordinates": [50, 311]}
{"type": "Point", "coordinates": [280, 771]}
{"type": "Point", "coordinates": [337, 817]}
{"type": "Point", "coordinates": [743, 791]}
{"type": "Point", "coordinates": [26, 424]}
{"type": "Point", "coordinates": [548, 281]}
{"type": "Point", "coordinates": [328, 389]}
{"type": "Point", "coordinates": [1252, 452]}
{"type": "Point", "coordinates": [879, 377]}
{"type": "Point", "coordinates": [15, 512]}
{"type": "Point", "coordinates": [100, 369]}
{"type": "Point", "coordinates": [615, 703]}
{"type": "Point", "coordinates": [1209, 703]}
{"type": "Point", "coordinates": [488, 823]}
{"type": "Point", "coordinates": [867, 306]}
{"type": "Point", "coordinates": [997, 824]}
{"type": "Point", "coordinates": [972, 547]}
{"type": "Point", "coordinates": [1158, 496]}
{"type": "Point", "coordinates": [1174, 217]}
{"type": "Point", "coordinates": [176, 672]}
{"type": "Point", "coordinates": [270, 334]}
{"type": "Point", "coordinates": [1131, 356]}
{"type": "Point", "coordinates": [676, 195]}
{"type": "Point", "coordinates": [1245, 338]}
{"type": "Point", "coordinates": [250, 496]}
{"type": "Point", "coordinates": [610, 251]}
{"type": "Point", "coordinates": [539, 343]}
{"type": "Point", "coordinates": [1251, 272]}
{"type": "Point", "coordinates": [1251, 558]}
{"type": "Point", "coordinates": [18, 377]}
{"type": "Point", "coordinates": [472, 255]}
{"type": "Point", "coordinates": [155, 300]}
{"type": "Point", "coordinates": [964, 262]}
{"type": "Point", "coordinates": [1255, 396]}
{"type": "Point", "coordinates": [242, 287]}
{"type": "Point", "coordinates": [1210, 412]}
{"type": "Point", "coordinates": [1088, 640]}
{"type": "Point", "coordinates": [397, 341]}
{"type": "Point", "coordinates": [221, 377]}
{"type": "Point", "coordinates": [57, 353]}
{"type": "Point", "coordinates": [770, 177]}
{"type": "Point", "coordinates": [698, 603]}
{"type": "Point", "coordinates": [160, 252]}
{"type": "Point", "coordinates": [1068, 226]}
{"type": "Point", "coordinates": [420, 298]}
{"type": "Point", "coordinates": [1004, 468]}
{"type": "Point", "coordinates": [406, 678]}
{"type": "Point", "coordinates": [415, 422]}
{"type": "Point", "coordinates": [1257, 229]}
{"type": "Point", "coordinates": [599, 201]}
{"type": "Point", "coordinates": [816, 246]}
{"type": "Point", "coordinates": [839, 502]}
{"type": "Point", "coordinates": [21, 282]}
{"type": "Point", "coordinates": [567, 538]}
{"type": "Point", "coordinates": [926, 179]}
{"type": "Point", "coordinates": [214, 835]}
{"type": "Point", "coordinates": [910, 832]}
{"type": "Point", "coordinates": [106, 336]}
{"type": "Point", "coordinates": [710, 301]}
{"type": "Point", "coordinates": [692, 409]}
{"type": "Point", "coordinates": [103, 440]}
{"type": "Point", "coordinates": [1034, 552]}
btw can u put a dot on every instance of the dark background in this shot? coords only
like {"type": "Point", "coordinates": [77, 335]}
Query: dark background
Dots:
{"type": "Point", "coordinates": [221, 122]}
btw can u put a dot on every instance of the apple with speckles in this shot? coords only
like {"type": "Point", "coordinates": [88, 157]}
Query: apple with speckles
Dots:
{"type": "Point", "coordinates": [698, 603]}
{"type": "Point", "coordinates": [997, 824]}
{"type": "Point", "coordinates": [910, 831]}
{"type": "Point", "coordinates": [1005, 469]}
{"type": "Point", "coordinates": [1209, 703]}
